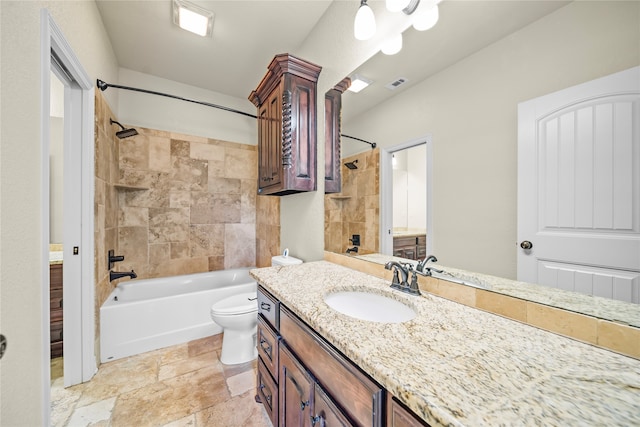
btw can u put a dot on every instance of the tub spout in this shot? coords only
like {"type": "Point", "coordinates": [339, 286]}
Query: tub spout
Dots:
{"type": "Point", "coordinates": [114, 275]}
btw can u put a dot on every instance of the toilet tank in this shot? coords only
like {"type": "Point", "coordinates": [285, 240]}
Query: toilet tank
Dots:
{"type": "Point", "coordinates": [285, 260]}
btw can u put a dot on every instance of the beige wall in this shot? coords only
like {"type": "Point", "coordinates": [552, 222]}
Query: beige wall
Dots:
{"type": "Point", "coordinates": [21, 311]}
{"type": "Point", "coordinates": [156, 112]}
{"type": "Point", "coordinates": [470, 109]}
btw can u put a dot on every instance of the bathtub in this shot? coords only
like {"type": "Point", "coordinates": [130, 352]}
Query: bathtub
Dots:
{"type": "Point", "coordinates": [148, 314]}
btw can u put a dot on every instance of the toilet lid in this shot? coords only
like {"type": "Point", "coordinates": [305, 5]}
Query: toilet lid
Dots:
{"type": "Point", "coordinates": [237, 304]}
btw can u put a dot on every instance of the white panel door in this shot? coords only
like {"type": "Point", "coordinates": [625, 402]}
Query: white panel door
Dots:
{"type": "Point", "coordinates": [579, 188]}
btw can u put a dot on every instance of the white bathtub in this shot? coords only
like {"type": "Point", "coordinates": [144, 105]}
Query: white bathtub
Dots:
{"type": "Point", "coordinates": [147, 314]}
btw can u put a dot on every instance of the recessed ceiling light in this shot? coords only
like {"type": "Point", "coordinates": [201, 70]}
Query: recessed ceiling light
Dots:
{"type": "Point", "coordinates": [194, 18]}
{"type": "Point", "coordinates": [358, 83]}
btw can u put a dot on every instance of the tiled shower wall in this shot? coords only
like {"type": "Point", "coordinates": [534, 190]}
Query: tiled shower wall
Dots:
{"type": "Point", "coordinates": [356, 209]}
{"type": "Point", "coordinates": [186, 204]}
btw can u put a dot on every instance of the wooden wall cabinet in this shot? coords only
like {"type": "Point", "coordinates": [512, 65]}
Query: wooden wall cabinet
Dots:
{"type": "Point", "coordinates": [287, 126]}
{"type": "Point", "coordinates": [332, 132]}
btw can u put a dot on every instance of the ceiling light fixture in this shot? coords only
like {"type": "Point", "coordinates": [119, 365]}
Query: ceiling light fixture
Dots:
{"type": "Point", "coordinates": [426, 17]}
{"type": "Point", "coordinates": [358, 83]}
{"type": "Point", "coordinates": [364, 26]}
{"type": "Point", "coordinates": [194, 18]}
{"type": "Point", "coordinates": [393, 45]}
{"type": "Point", "coordinates": [396, 5]}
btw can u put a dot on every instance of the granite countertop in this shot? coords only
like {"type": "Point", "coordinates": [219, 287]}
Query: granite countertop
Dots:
{"type": "Point", "coordinates": [458, 366]}
{"type": "Point", "coordinates": [409, 232]}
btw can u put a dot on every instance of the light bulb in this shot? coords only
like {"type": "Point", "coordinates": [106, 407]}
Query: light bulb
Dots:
{"type": "Point", "coordinates": [364, 26]}
{"type": "Point", "coordinates": [426, 18]}
{"type": "Point", "coordinates": [396, 5]}
{"type": "Point", "coordinates": [393, 45]}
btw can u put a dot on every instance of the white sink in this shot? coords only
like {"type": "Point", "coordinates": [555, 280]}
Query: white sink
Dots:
{"type": "Point", "coordinates": [369, 306]}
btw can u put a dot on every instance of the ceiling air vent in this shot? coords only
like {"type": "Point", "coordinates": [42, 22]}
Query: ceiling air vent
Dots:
{"type": "Point", "coordinates": [397, 83]}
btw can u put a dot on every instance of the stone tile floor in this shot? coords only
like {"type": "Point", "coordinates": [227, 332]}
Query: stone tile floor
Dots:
{"type": "Point", "coordinates": [178, 386]}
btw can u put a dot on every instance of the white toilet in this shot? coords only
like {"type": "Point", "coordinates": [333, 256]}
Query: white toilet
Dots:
{"type": "Point", "coordinates": [238, 316]}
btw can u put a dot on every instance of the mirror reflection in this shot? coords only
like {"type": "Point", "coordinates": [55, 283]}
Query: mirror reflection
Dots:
{"type": "Point", "coordinates": [468, 101]}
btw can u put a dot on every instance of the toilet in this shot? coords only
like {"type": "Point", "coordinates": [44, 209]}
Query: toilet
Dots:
{"type": "Point", "coordinates": [238, 316]}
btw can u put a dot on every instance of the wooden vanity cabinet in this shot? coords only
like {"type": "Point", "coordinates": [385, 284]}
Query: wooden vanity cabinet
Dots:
{"type": "Point", "coordinates": [55, 310]}
{"type": "Point", "coordinates": [410, 247]}
{"type": "Point", "coordinates": [399, 416]}
{"type": "Point", "coordinates": [268, 342]}
{"type": "Point", "coordinates": [287, 122]}
{"type": "Point", "coordinates": [347, 389]}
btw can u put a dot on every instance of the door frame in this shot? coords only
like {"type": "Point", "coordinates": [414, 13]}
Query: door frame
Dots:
{"type": "Point", "coordinates": [79, 358]}
{"type": "Point", "coordinates": [386, 192]}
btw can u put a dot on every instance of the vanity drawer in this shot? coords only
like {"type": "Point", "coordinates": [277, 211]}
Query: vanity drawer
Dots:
{"type": "Point", "coordinates": [269, 307]}
{"type": "Point", "coordinates": [362, 399]}
{"type": "Point", "coordinates": [267, 392]}
{"type": "Point", "coordinates": [268, 347]}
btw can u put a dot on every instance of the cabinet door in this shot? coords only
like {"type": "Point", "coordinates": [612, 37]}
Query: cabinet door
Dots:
{"type": "Point", "coordinates": [332, 159]}
{"type": "Point", "coordinates": [267, 392]}
{"type": "Point", "coordinates": [399, 416]}
{"type": "Point", "coordinates": [325, 411]}
{"type": "Point", "coordinates": [268, 347]}
{"type": "Point", "coordinates": [270, 141]}
{"type": "Point", "coordinates": [296, 388]}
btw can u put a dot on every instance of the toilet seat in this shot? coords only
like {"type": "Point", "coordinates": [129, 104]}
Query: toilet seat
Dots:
{"type": "Point", "coordinates": [237, 304]}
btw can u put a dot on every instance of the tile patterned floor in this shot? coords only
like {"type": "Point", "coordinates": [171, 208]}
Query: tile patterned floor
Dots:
{"type": "Point", "coordinates": [179, 386]}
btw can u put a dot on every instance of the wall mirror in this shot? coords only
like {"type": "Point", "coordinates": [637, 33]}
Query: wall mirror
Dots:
{"type": "Point", "coordinates": [462, 83]}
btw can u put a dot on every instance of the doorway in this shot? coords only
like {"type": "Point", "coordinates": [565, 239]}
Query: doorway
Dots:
{"type": "Point", "coordinates": [58, 59]}
{"type": "Point", "coordinates": [406, 172]}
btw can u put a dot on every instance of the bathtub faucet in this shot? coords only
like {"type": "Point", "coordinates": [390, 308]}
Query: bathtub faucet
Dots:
{"type": "Point", "coordinates": [114, 275]}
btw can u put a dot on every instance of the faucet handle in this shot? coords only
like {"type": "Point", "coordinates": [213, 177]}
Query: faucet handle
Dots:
{"type": "Point", "coordinates": [413, 287]}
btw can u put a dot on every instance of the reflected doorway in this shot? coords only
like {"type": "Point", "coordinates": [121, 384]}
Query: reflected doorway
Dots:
{"type": "Point", "coordinates": [405, 195]}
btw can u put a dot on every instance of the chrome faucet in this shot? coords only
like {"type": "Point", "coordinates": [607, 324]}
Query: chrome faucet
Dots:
{"type": "Point", "coordinates": [114, 275]}
{"type": "Point", "coordinates": [423, 269]}
{"type": "Point", "coordinates": [404, 270]}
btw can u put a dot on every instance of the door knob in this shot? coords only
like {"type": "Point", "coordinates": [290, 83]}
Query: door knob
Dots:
{"type": "Point", "coordinates": [526, 244]}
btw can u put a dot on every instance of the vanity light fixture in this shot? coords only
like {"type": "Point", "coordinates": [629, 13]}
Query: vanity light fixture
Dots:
{"type": "Point", "coordinates": [364, 26]}
{"type": "Point", "coordinates": [427, 15]}
{"type": "Point", "coordinates": [194, 18]}
{"type": "Point", "coordinates": [393, 45]}
{"type": "Point", "coordinates": [358, 83]}
{"type": "Point", "coordinates": [396, 5]}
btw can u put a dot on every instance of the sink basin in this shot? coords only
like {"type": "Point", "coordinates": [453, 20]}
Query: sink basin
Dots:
{"type": "Point", "coordinates": [369, 306]}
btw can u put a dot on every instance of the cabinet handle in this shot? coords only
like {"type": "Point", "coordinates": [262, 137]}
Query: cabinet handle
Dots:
{"type": "Point", "coordinates": [318, 419]}
{"type": "Point", "coordinates": [267, 397]}
{"type": "Point", "coordinates": [267, 348]}
{"type": "Point", "coordinates": [265, 306]}
{"type": "Point", "coordinates": [303, 405]}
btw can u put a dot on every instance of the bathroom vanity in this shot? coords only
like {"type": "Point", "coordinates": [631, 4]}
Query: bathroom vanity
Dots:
{"type": "Point", "coordinates": [449, 365]}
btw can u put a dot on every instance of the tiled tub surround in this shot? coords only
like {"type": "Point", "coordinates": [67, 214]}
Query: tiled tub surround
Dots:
{"type": "Point", "coordinates": [604, 322]}
{"type": "Point", "coordinates": [356, 209]}
{"type": "Point", "coordinates": [455, 365]}
{"type": "Point", "coordinates": [196, 210]}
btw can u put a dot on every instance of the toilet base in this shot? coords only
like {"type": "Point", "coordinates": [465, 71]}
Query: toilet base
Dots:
{"type": "Point", "coordinates": [238, 346]}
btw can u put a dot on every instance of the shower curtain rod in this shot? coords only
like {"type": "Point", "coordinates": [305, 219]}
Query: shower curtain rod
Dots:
{"type": "Point", "coordinates": [372, 144]}
{"type": "Point", "coordinates": [104, 86]}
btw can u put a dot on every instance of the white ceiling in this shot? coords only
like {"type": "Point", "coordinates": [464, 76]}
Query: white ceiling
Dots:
{"type": "Point", "coordinates": [247, 34]}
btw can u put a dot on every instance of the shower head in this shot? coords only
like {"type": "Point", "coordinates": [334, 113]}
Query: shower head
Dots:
{"type": "Point", "coordinates": [124, 133]}
{"type": "Point", "coordinates": [352, 165]}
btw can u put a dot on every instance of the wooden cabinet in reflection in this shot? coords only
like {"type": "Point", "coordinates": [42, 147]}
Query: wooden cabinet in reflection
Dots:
{"type": "Point", "coordinates": [410, 247]}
